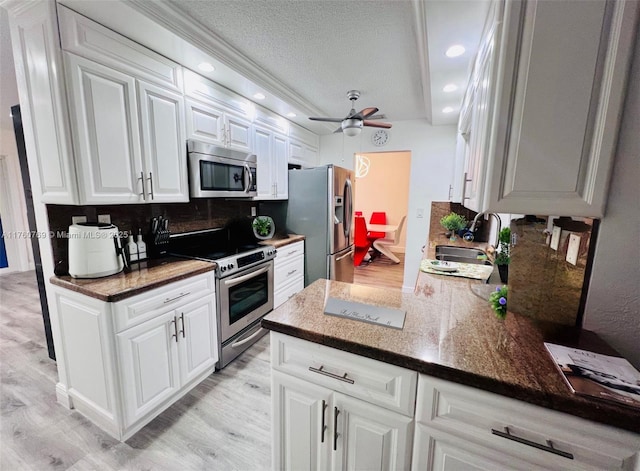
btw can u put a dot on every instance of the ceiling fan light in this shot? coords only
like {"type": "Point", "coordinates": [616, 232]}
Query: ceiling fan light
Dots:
{"type": "Point", "coordinates": [351, 127]}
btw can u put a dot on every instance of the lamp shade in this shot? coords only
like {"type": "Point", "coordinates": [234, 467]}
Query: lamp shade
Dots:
{"type": "Point", "coordinates": [351, 127]}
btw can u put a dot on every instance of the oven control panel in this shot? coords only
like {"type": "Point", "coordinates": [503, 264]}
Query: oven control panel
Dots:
{"type": "Point", "coordinates": [230, 265]}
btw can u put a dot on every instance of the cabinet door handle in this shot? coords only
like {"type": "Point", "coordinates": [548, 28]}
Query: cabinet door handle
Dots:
{"type": "Point", "coordinates": [336, 411]}
{"type": "Point", "coordinates": [150, 185]}
{"type": "Point", "coordinates": [144, 193]}
{"type": "Point", "coordinates": [331, 375]}
{"type": "Point", "coordinates": [464, 187]}
{"type": "Point", "coordinates": [175, 328]}
{"type": "Point", "coordinates": [324, 425]}
{"type": "Point", "coordinates": [548, 447]}
{"type": "Point", "coordinates": [181, 295]}
{"type": "Point", "coordinates": [291, 272]}
{"type": "Point", "coordinates": [182, 320]}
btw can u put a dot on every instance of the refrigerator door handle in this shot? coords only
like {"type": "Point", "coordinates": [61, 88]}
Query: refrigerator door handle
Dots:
{"type": "Point", "coordinates": [350, 252]}
{"type": "Point", "coordinates": [348, 207]}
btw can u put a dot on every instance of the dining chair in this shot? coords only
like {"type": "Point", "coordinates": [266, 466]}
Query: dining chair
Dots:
{"type": "Point", "coordinates": [360, 240]}
{"type": "Point", "coordinates": [379, 217]}
{"type": "Point", "coordinates": [383, 245]}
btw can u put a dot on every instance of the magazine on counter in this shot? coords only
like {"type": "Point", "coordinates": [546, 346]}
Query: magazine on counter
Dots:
{"type": "Point", "coordinates": [599, 376]}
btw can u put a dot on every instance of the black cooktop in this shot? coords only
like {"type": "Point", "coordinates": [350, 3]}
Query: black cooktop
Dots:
{"type": "Point", "coordinates": [235, 238]}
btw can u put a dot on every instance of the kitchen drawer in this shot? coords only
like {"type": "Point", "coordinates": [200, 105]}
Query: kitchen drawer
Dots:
{"type": "Point", "coordinates": [472, 415]}
{"type": "Point", "coordinates": [288, 290]}
{"type": "Point", "coordinates": [285, 271]}
{"type": "Point", "coordinates": [137, 309]}
{"type": "Point", "coordinates": [289, 251]}
{"type": "Point", "coordinates": [388, 386]}
{"type": "Point", "coordinates": [93, 41]}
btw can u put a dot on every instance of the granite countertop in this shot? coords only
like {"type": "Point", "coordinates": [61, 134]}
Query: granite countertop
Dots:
{"type": "Point", "coordinates": [450, 332]}
{"type": "Point", "coordinates": [282, 240]}
{"type": "Point", "coordinates": [144, 276]}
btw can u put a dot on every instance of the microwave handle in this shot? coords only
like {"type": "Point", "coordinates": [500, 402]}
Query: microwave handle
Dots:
{"type": "Point", "coordinates": [250, 184]}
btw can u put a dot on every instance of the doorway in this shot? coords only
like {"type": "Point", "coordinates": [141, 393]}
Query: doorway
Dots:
{"type": "Point", "coordinates": [382, 185]}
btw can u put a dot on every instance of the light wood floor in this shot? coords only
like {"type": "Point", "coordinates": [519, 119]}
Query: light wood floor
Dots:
{"type": "Point", "coordinates": [222, 424]}
{"type": "Point", "coordinates": [381, 273]}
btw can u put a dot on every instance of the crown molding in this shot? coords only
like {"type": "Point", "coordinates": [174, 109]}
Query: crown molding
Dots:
{"type": "Point", "coordinates": [18, 7]}
{"type": "Point", "coordinates": [194, 32]}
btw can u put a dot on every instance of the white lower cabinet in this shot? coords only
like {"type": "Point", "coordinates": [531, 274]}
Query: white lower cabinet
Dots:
{"type": "Point", "coordinates": [288, 272]}
{"type": "Point", "coordinates": [336, 410]}
{"type": "Point", "coordinates": [337, 414]}
{"type": "Point", "coordinates": [125, 362]}
{"type": "Point", "coordinates": [460, 427]}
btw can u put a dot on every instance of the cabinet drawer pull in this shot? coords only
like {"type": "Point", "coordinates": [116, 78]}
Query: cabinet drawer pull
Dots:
{"type": "Point", "coordinates": [181, 295]}
{"type": "Point", "coordinates": [291, 272]}
{"type": "Point", "coordinates": [324, 425]}
{"type": "Point", "coordinates": [548, 447]}
{"type": "Point", "coordinates": [175, 329]}
{"type": "Point", "coordinates": [291, 253]}
{"type": "Point", "coordinates": [331, 375]}
{"type": "Point", "coordinates": [336, 411]}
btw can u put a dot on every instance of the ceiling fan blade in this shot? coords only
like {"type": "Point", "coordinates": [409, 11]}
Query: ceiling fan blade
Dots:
{"type": "Point", "coordinates": [375, 124]}
{"type": "Point", "coordinates": [338, 130]}
{"type": "Point", "coordinates": [377, 116]}
{"type": "Point", "coordinates": [365, 113]}
{"type": "Point", "coordinates": [330, 120]}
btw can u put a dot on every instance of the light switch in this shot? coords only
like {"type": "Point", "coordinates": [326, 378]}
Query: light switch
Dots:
{"type": "Point", "coordinates": [106, 218]}
{"type": "Point", "coordinates": [253, 211]}
{"type": "Point", "coordinates": [78, 219]}
{"type": "Point", "coordinates": [572, 250]}
{"type": "Point", "coordinates": [420, 213]}
{"type": "Point", "coordinates": [555, 237]}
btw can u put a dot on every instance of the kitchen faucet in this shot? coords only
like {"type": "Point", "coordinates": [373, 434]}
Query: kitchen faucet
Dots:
{"type": "Point", "coordinates": [469, 235]}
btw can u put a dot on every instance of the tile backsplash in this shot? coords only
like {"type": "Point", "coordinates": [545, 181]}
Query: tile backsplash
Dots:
{"type": "Point", "coordinates": [195, 215]}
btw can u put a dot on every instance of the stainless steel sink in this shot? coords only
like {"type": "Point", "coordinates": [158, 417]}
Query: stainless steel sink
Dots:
{"type": "Point", "coordinates": [451, 253]}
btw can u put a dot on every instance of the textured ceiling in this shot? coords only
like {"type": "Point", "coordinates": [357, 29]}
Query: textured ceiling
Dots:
{"type": "Point", "coordinates": [322, 48]}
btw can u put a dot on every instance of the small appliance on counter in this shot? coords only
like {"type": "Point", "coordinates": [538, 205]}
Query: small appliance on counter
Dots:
{"type": "Point", "coordinates": [159, 234]}
{"type": "Point", "coordinates": [95, 250]}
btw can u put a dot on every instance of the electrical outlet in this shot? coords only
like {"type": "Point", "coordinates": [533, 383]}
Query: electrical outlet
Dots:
{"type": "Point", "coordinates": [572, 250]}
{"type": "Point", "coordinates": [253, 211]}
{"type": "Point", "coordinates": [78, 219]}
{"type": "Point", "coordinates": [106, 218]}
{"type": "Point", "coordinates": [420, 212]}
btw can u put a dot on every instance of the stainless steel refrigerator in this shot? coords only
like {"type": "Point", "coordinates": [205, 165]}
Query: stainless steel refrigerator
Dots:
{"type": "Point", "coordinates": [320, 207]}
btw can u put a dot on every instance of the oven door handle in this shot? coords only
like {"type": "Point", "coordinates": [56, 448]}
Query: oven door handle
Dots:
{"type": "Point", "coordinates": [250, 175]}
{"type": "Point", "coordinates": [240, 343]}
{"type": "Point", "coordinates": [243, 278]}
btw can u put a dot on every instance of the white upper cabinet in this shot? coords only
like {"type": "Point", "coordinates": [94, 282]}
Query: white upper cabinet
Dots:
{"type": "Point", "coordinates": [163, 143]}
{"type": "Point", "coordinates": [103, 107]}
{"type": "Point", "coordinates": [553, 116]}
{"type": "Point", "coordinates": [127, 114]}
{"type": "Point", "coordinates": [43, 105]}
{"type": "Point", "coordinates": [216, 116]}
{"type": "Point", "coordinates": [271, 151]}
{"type": "Point", "coordinates": [303, 147]}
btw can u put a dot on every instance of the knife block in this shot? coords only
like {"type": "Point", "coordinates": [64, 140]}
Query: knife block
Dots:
{"type": "Point", "coordinates": [159, 242]}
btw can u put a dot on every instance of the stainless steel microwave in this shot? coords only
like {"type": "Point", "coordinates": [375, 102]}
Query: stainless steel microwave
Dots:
{"type": "Point", "coordinates": [216, 172]}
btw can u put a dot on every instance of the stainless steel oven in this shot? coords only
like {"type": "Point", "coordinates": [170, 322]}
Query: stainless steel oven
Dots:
{"type": "Point", "coordinates": [244, 298]}
{"type": "Point", "coordinates": [218, 172]}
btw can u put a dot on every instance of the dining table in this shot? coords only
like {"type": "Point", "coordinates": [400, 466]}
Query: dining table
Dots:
{"type": "Point", "coordinates": [382, 227]}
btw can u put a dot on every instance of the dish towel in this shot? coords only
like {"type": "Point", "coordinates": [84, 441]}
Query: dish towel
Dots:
{"type": "Point", "coordinates": [465, 270]}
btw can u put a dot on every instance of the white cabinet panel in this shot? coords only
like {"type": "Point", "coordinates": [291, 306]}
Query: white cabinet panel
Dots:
{"type": "Point", "coordinates": [106, 138]}
{"type": "Point", "coordinates": [205, 123]}
{"type": "Point", "coordinates": [238, 133]}
{"type": "Point", "coordinates": [149, 365]}
{"type": "Point", "coordinates": [43, 102]}
{"type": "Point", "coordinates": [198, 338]}
{"type": "Point", "coordinates": [163, 143]}
{"type": "Point", "coordinates": [301, 424]}
{"type": "Point", "coordinates": [281, 169]}
{"type": "Point", "coordinates": [370, 437]}
{"type": "Point", "coordinates": [262, 142]}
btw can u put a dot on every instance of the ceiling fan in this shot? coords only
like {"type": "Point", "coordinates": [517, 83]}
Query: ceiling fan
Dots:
{"type": "Point", "coordinates": [352, 124]}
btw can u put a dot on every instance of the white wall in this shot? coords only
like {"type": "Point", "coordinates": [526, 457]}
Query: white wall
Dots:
{"type": "Point", "coordinates": [432, 150]}
{"type": "Point", "coordinates": [613, 302]}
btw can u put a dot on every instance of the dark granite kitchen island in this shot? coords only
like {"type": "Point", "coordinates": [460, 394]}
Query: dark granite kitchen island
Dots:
{"type": "Point", "coordinates": [450, 332]}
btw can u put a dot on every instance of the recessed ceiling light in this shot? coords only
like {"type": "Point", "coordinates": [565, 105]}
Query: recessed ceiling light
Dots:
{"type": "Point", "coordinates": [455, 51]}
{"type": "Point", "coordinates": [259, 96]}
{"type": "Point", "coordinates": [450, 87]}
{"type": "Point", "coordinates": [448, 109]}
{"type": "Point", "coordinates": [291, 115]}
{"type": "Point", "coordinates": [206, 67]}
